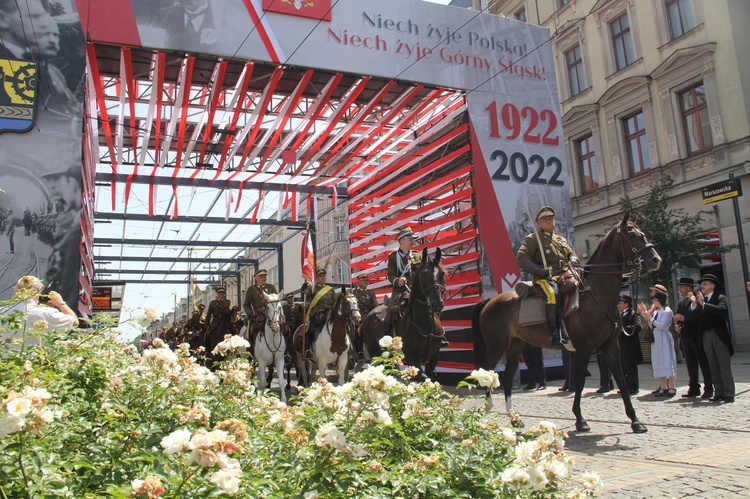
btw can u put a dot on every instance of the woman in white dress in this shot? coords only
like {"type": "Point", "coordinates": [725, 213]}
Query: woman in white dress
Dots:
{"type": "Point", "coordinates": [663, 360]}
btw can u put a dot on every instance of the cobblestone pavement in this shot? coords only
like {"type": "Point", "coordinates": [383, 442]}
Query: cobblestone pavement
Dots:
{"type": "Point", "coordinates": [693, 448]}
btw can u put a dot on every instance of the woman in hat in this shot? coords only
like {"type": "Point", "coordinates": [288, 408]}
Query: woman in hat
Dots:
{"type": "Point", "coordinates": [663, 359]}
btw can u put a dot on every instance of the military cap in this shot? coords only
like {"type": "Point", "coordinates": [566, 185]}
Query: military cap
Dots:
{"type": "Point", "coordinates": [289, 294]}
{"type": "Point", "coordinates": [405, 232]}
{"type": "Point", "coordinates": [363, 277]}
{"type": "Point", "coordinates": [626, 299]}
{"type": "Point", "coordinates": [321, 272]}
{"type": "Point", "coordinates": [659, 288]}
{"type": "Point", "coordinates": [545, 211]}
{"type": "Point", "coordinates": [261, 272]}
{"type": "Point", "coordinates": [221, 289]}
{"type": "Point", "coordinates": [201, 306]}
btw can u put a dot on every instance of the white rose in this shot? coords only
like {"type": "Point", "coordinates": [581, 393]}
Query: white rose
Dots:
{"type": "Point", "coordinates": [228, 480]}
{"type": "Point", "coordinates": [486, 379]}
{"type": "Point", "coordinates": [10, 424]}
{"type": "Point", "coordinates": [386, 342]}
{"type": "Point", "coordinates": [19, 407]}
{"type": "Point", "coordinates": [175, 441]}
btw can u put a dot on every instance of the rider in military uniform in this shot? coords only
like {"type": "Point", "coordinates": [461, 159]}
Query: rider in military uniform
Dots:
{"type": "Point", "coordinates": [366, 301]}
{"type": "Point", "coordinates": [322, 297]}
{"type": "Point", "coordinates": [254, 303]}
{"type": "Point", "coordinates": [400, 264]}
{"type": "Point", "coordinates": [291, 312]}
{"type": "Point", "coordinates": [219, 316]}
{"type": "Point", "coordinates": [558, 256]}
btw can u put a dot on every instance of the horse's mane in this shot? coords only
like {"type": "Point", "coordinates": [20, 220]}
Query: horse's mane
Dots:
{"type": "Point", "coordinates": [332, 311]}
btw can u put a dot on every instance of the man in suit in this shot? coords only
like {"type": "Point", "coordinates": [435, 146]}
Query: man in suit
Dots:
{"type": "Point", "coordinates": [630, 344]}
{"type": "Point", "coordinates": [713, 311]}
{"type": "Point", "coordinates": [687, 324]}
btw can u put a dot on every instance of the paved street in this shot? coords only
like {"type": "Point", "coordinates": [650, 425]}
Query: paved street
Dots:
{"type": "Point", "coordinates": [693, 448]}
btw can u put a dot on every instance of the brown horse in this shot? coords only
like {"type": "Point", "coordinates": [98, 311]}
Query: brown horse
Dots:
{"type": "Point", "coordinates": [595, 327]}
{"type": "Point", "coordinates": [419, 324]}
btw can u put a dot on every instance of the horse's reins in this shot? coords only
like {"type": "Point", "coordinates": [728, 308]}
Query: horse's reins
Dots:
{"type": "Point", "coordinates": [636, 263]}
{"type": "Point", "coordinates": [275, 348]}
{"type": "Point", "coordinates": [423, 332]}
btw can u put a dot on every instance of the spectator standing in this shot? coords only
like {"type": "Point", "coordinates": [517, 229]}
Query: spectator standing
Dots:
{"type": "Point", "coordinates": [687, 325]}
{"type": "Point", "coordinates": [717, 342]}
{"type": "Point", "coordinates": [631, 354]}
{"type": "Point", "coordinates": [663, 359]}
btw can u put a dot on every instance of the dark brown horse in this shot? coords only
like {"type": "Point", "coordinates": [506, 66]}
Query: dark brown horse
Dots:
{"type": "Point", "coordinates": [419, 324]}
{"type": "Point", "coordinates": [595, 327]}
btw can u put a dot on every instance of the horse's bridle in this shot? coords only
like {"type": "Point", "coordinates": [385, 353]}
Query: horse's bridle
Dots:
{"type": "Point", "coordinates": [631, 256]}
{"type": "Point", "coordinates": [635, 263]}
{"type": "Point", "coordinates": [426, 290]}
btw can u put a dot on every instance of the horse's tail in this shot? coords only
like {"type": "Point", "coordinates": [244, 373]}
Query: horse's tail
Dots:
{"type": "Point", "coordinates": [480, 347]}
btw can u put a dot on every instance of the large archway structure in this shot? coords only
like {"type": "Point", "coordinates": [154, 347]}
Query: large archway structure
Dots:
{"type": "Point", "coordinates": [417, 114]}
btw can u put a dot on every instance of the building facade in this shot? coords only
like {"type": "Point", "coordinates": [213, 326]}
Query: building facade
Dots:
{"type": "Point", "coordinates": [650, 88]}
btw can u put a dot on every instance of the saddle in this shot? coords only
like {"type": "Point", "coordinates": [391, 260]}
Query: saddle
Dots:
{"type": "Point", "coordinates": [533, 301]}
{"type": "Point", "coordinates": [394, 307]}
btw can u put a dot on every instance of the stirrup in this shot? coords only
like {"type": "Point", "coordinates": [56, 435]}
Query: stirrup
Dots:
{"type": "Point", "coordinates": [308, 354]}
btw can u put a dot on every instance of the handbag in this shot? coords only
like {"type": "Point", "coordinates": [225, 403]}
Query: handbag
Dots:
{"type": "Point", "coordinates": [641, 323]}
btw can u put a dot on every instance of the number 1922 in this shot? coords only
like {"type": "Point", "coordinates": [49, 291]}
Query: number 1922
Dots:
{"type": "Point", "coordinates": [513, 121]}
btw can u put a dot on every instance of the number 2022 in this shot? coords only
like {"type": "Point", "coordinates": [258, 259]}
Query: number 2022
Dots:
{"type": "Point", "coordinates": [511, 119]}
{"type": "Point", "coordinates": [517, 168]}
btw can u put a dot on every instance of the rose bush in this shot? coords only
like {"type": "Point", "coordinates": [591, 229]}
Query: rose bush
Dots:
{"type": "Point", "coordinates": [83, 415]}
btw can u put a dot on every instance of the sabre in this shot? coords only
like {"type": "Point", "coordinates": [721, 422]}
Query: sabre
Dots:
{"type": "Point", "coordinates": [536, 233]}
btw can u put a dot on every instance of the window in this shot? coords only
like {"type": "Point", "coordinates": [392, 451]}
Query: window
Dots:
{"type": "Point", "coordinates": [576, 78]}
{"type": "Point", "coordinates": [636, 142]}
{"type": "Point", "coordinates": [340, 229]}
{"type": "Point", "coordinates": [587, 164]}
{"type": "Point", "coordinates": [679, 17]}
{"type": "Point", "coordinates": [695, 120]}
{"type": "Point", "coordinates": [563, 3]}
{"type": "Point", "coordinates": [622, 42]}
{"type": "Point", "coordinates": [520, 14]}
{"type": "Point", "coordinates": [343, 271]}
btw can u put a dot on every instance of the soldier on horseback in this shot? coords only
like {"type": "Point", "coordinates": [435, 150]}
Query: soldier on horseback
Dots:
{"type": "Point", "coordinates": [546, 256]}
{"type": "Point", "coordinates": [400, 266]}
{"type": "Point", "coordinates": [322, 297]}
{"type": "Point", "coordinates": [254, 304]}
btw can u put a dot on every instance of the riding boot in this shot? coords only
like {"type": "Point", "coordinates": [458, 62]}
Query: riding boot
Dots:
{"type": "Point", "coordinates": [554, 331]}
{"type": "Point", "coordinates": [358, 346]}
{"type": "Point", "coordinates": [309, 339]}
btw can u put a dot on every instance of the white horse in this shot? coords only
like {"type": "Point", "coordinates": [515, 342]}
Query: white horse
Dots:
{"type": "Point", "coordinates": [270, 344]}
{"type": "Point", "coordinates": [332, 344]}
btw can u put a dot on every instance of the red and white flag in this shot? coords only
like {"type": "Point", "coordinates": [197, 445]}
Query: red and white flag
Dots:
{"type": "Point", "coordinates": [308, 258]}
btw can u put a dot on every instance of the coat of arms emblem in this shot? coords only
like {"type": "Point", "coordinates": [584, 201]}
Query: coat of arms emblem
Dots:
{"type": "Point", "coordinates": [18, 90]}
{"type": "Point", "coordinates": [313, 9]}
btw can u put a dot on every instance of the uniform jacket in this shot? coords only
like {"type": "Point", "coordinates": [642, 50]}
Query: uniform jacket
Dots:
{"type": "Point", "coordinates": [254, 298]}
{"type": "Point", "coordinates": [556, 251]}
{"type": "Point", "coordinates": [366, 300]}
{"type": "Point", "coordinates": [219, 312]}
{"type": "Point", "coordinates": [405, 269]}
{"type": "Point", "coordinates": [292, 314]}
{"type": "Point", "coordinates": [714, 315]}
{"type": "Point", "coordinates": [326, 301]}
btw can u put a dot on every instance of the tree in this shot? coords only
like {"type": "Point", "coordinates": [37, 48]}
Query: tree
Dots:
{"type": "Point", "coordinates": [674, 233]}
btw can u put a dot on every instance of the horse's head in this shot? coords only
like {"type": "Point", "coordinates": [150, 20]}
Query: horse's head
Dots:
{"type": "Point", "coordinates": [274, 310]}
{"type": "Point", "coordinates": [350, 306]}
{"type": "Point", "coordinates": [638, 253]}
{"type": "Point", "coordinates": [430, 280]}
